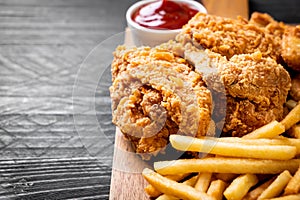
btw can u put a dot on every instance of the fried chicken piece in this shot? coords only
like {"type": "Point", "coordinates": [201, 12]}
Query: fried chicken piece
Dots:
{"type": "Point", "coordinates": [261, 19]}
{"type": "Point", "coordinates": [150, 101]}
{"type": "Point", "coordinates": [270, 25]}
{"type": "Point", "coordinates": [287, 35]}
{"type": "Point", "coordinates": [256, 94]}
{"type": "Point", "coordinates": [291, 47]}
{"type": "Point", "coordinates": [295, 89]}
{"type": "Point", "coordinates": [254, 88]}
{"type": "Point", "coordinates": [229, 37]}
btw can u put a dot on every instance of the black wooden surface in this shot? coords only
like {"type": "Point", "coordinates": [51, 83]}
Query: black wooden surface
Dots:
{"type": "Point", "coordinates": [42, 45]}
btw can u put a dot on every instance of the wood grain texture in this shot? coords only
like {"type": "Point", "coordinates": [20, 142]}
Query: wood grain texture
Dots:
{"type": "Point", "coordinates": [53, 178]}
{"type": "Point", "coordinates": [42, 45]}
{"type": "Point", "coordinates": [126, 181]}
{"type": "Point", "coordinates": [227, 8]}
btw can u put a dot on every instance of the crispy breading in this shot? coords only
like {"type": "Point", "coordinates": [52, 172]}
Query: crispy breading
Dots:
{"type": "Point", "coordinates": [287, 35]}
{"type": "Point", "coordinates": [295, 89]}
{"type": "Point", "coordinates": [150, 101]}
{"type": "Point", "coordinates": [291, 47]}
{"type": "Point", "coordinates": [270, 25]}
{"type": "Point", "coordinates": [229, 37]}
{"type": "Point", "coordinates": [254, 88]}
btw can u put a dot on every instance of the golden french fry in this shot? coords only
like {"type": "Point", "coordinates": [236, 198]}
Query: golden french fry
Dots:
{"type": "Point", "coordinates": [227, 177]}
{"type": "Point", "coordinates": [288, 197]}
{"type": "Point", "coordinates": [293, 186]}
{"type": "Point", "coordinates": [276, 186]}
{"type": "Point", "coordinates": [254, 194]}
{"type": "Point", "coordinates": [166, 197]}
{"type": "Point", "coordinates": [269, 130]}
{"type": "Point", "coordinates": [276, 152]}
{"type": "Point", "coordinates": [226, 165]}
{"type": "Point", "coordinates": [173, 188]}
{"type": "Point", "coordinates": [294, 131]}
{"type": "Point", "coordinates": [152, 192]}
{"type": "Point", "coordinates": [216, 189]}
{"type": "Point", "coordinates": [190, 182]}
{"type": "Point", "coordinates": [292, 118]}
{"type": "Point", "coordinates": [240, 186]}
{"type": "Point", "coordinates": [203, 181]}
{"type": "Point", "coordinates": [278, 141]}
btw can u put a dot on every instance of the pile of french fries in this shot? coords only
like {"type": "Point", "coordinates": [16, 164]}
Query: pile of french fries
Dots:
{"type": "Point", "coordinates": [261, 165]}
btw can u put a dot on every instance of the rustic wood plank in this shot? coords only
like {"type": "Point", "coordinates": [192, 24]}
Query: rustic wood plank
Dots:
{"type": "Point", "coordinates": [42, 46]}
{"type": "Point", "coordinates": [54, 178]}
{"type": "Point", "coordinates": [126, 171]}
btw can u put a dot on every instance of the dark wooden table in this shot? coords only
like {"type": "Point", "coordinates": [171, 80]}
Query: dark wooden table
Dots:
{"type": "Point", "coordinates": [56, 136]}
{"type": "Point", "coordinates": [44, 153]}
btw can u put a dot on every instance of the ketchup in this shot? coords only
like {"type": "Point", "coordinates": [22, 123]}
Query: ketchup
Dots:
{"type": "Point", "coordinates": [164, 14]}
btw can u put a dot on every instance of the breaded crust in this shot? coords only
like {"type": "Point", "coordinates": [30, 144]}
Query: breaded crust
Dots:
{"type": "Point", "coordinates": [155, 94]}
{"type": "Point", "coordinates": [291, 47]}
{"type": "Point", "coordinates": [254, 88]}
{"type": "Point", "coordinates": [229, 37]}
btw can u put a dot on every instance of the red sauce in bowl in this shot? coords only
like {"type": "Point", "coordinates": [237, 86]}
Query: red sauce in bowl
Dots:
{"type": "Point", "coordinates": [164, 14]}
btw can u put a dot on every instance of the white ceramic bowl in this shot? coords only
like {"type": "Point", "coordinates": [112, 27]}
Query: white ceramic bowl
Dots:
{"type": "Point", "coordinates": [151, 37]}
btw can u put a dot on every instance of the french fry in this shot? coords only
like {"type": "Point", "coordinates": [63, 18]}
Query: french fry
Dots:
{"type": "Point", "coordinates": [173, 188]}
{"type": "Point", "coordinates": [278, 141]}
{"type": "Point", "coordinates": [240, 186]}
{"type": "Point", "coordinates": [226, 165]}
{"type": "Point", "coordinates": [152, 192]}
{"type": "Point", "coordinates": [293, 186]}
{"type": "Point", "coordinates": [216, 189]}
{"type": "Point", "coordinates": [190, 182]}
{"type": "Point", "coordinates": [292, 118]}
{"type": "Point", "coordinates": [203, 182]}
{"type": "Point", "coordinates": [227, 177]}
{"type": "Point", "coordinates": [254, 194]}
{"type": "Point", "coordinates": [294, 131]}
{"type": "Point", "coordinates": [276, 186]}
{"type": "Point", "coordinates": [288, 197]}
{"type": "Point", "coordinates": [269, 130]}
{"type": "Point", "coordinates": [276, 152]}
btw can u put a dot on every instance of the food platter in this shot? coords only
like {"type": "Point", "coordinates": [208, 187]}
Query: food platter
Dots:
{"type": "Point", "coordinates": [128, 183]}
{"type": "Point", "coordinates": [124, 184]}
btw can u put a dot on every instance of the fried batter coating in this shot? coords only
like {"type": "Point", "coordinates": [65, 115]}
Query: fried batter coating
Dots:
{"type": "Point", "coordinates": [255, 88]}
{"type": "Point", "coordinates": [261, 19]}
{"type": "Point", "coordinates": [287, 35]}
{"type": "Point", "coordinates": [270, 25]}
{"type": "Point", "coordinates": [295, 89]}
{"type": "Point", "coordinates": [291, 47]}
{"type": "Point", "coordinates": [229, 37]}
{"type": "Point", "coordinates": [155, 94]}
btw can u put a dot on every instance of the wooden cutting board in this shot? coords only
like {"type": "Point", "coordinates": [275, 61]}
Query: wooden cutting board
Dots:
{"type": "Point", "coordinates": [127, 182]}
